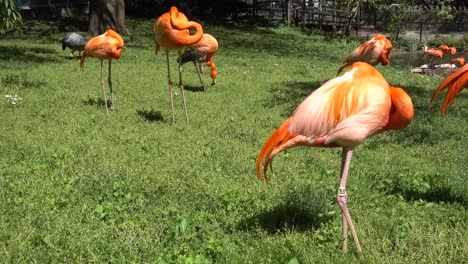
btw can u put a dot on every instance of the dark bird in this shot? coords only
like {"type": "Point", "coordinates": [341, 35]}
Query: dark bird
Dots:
{"type": "Point", "coordinates": [202, 52]}
{"type": "Point", "coordinates": [75, 42]}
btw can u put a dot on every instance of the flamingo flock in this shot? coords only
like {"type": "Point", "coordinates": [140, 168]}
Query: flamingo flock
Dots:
{"type": "Point", "coordinates": [343, 112]}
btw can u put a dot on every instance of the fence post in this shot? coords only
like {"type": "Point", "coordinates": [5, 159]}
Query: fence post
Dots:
{"type": "Point", "coordinates": [420, 32]}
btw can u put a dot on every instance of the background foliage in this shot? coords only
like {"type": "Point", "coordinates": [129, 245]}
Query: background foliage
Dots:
{"type": "Point", "coordinates": [10, 18]}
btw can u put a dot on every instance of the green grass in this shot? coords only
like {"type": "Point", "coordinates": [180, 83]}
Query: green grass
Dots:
{"type": "Point", "coordinates": [79, 185]}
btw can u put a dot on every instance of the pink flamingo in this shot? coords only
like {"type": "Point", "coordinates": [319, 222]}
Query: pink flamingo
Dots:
{"type": "Point", "coordinates": [343, 112]}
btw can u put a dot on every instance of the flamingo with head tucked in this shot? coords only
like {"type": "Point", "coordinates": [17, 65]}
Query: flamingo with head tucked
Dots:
{"type": "Point", "coordinates": [343, 112]}
{"type": "Point", "coordinates": [172, 32]}
{"type": "Point", "coordinates": [374, 51]}
{"type": "Point", "coordinates": [107, 46]}
{"type": "Point", "coordinates": [201, 52]}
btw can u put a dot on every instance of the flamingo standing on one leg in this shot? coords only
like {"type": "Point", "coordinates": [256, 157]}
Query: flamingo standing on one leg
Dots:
{"type": "Point", "coordinates": [374, 51]}
{"type": "Point", "coordinates": [107, 46]}
{"type": "Point", "coordinates": [454, 83]}
{"type": "Point", "coordinates": [200, 52]}
{"type": "Point", "coordinates": [343, 112]}
{"type": "Point", "coordinates": [172, 31]}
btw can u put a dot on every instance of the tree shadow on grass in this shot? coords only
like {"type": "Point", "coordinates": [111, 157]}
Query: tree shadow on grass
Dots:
{"type": "Point", "coordinates": [291, 94]}
{"type": "Point", "coordinates": [46, 27]}
{"type": "Point", "coordinates": [33, 55]}
{"type": "Point", "coordinates": [301, 210]}
{"type": "Point", "coordinates": [151, 115]}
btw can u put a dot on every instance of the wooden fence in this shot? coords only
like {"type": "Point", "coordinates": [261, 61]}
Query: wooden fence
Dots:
{"type": "Point", "coordinates": [326, 15]}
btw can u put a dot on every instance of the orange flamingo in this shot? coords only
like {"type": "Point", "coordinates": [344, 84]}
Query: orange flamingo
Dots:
{"type": "Point", "coordinates": [458, 61]}
{"type": "Point", "coordinates": [448, 50]}
{"type": "Point", "coordinates": [343, 112]}
{"type": "Point", "coordinates": [374, 51]}
{"type": "Point", "coordinates": [444, 48]}
{"type": "Point", "coordinates": [454, 83]}
{"type": "Point", "coordinates": [172, 32]}
{"type": "Point", "coordinates": [200, 52]}
{"type": "Point", "coordinates": [107, 46]}
{"type": "Point", "coordinates": [434, 53]}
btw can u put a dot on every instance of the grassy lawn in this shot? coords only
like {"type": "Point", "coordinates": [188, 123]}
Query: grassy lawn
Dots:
{"type": "Point", "coordinates": [79, 185]}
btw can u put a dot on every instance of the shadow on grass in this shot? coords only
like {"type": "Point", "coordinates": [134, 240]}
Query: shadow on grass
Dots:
{"type": "Point", "coordinates": [302, 210]}
{"type": "Point", "coordinates": [195, 89]}
{"type": "Point", "coordinates": [151, 115]}
{"type": "Point", "coordinates": [438, 194]}
{"type": "Point", "coordinates": [22, 80]}
{"type": "Point", "coordinates": [32, 55]}
{"type": "Point", "coordinates": [46, 27]}
{"type": "Point", "coordinates": [291, 94]}
{"type": "Point", "coordinates": [97, 102]}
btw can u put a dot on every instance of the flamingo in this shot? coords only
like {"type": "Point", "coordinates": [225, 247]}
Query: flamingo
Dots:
{"type": "Point", "coordinates": [448, 50]}
{"type": "Point", "coordinates": [107, 46]}
{"type": "Point", "coordinates": [434, 53]}
{"type": "Point", "coordinates": [444, 48]}
{"type": "Point", "coordinates": [460, 61]}
{"type": "Point", "coordinates": [454, 83]}
{"type": "Point", "coordinates": [172, 32]}
{"type": "Point", "coordinates": [343, 112]}
{"type": "Point", "coordinates": [200, 52]}
{"type": "Point", "coordinates": [372, 51]}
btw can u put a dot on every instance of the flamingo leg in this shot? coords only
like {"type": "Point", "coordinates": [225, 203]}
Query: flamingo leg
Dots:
{"type": "Point", "coordinates": [202, 71]}
{"type": "Point", "coordinates": [202, 81]}
{"type": "Point", "coordinates": [181, 85]}
{"type": "Point", "coordinates": [110, 86]}
{"type": "Point", "coordinates": [342, 200]}
{"type": "Point", "coordinates": [170, 85]}
{"type": "Point", "coordinates": [102, 86]}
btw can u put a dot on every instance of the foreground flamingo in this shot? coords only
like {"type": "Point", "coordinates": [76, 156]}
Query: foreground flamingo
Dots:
{"type": "Point", "coordinates": [200, 52]}
{"type": "Point", "coordinates": [172, 32]}
{"type": "Point", "coordinates": [107, 46]}
{"type": "Point", "coordinates": [454, 83]}
{"type": "Point", "coordinates": [374, 51]}
{"type": "Point", "coordinates": [343, 112]}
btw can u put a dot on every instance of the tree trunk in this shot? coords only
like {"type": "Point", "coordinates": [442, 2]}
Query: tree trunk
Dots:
{"type": "Point", "coordinates": [353, 10]}
{"type": "Point", "coordinates": [107, 14]}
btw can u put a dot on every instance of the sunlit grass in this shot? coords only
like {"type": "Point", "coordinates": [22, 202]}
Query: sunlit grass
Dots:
{"type": "Point", "coordinates": [80, 185]}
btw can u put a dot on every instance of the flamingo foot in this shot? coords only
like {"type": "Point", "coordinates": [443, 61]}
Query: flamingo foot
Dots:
{"type": "Point", "coordinates": [342, 202]}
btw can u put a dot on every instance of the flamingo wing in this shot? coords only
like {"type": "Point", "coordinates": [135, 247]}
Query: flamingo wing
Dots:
{"type": "Point", "coordinates": [455, 82]}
